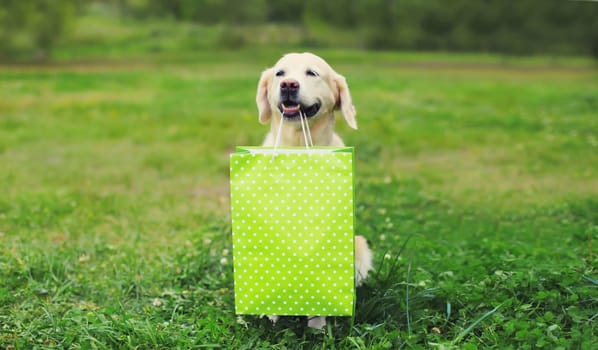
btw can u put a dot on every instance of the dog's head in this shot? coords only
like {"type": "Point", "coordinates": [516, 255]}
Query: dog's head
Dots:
{"type": "Point", "coordinates": [303, 83]}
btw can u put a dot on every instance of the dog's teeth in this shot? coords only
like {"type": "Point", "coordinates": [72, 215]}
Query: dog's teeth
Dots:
{"type": "Point", "coordinates": [290, 108]}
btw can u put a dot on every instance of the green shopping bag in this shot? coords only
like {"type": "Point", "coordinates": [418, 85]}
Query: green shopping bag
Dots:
{"type": "Point", "coordinates": [292, 231]}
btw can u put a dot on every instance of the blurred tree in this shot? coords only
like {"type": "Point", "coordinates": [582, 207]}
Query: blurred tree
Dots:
{"type": "Point", "coordinates": [223, 11]}
{"type": "Point", "coordinates": [522, 26]}
{"type": "Point", "coordinates": [285, 11]}
{"type": "Point", "coordinates": [380, 20]}
{"type": "Point", "coordinates": [30, 29]}
{"type": "Point", "coordinates": [204, 11]}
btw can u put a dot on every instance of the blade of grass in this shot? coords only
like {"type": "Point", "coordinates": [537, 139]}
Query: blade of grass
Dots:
{"type": "Point", "coordinates": [407, 299]}
{"type": "Point", "coordinates": [448, 311]}
{"type": "Point", "coordinates": [473, 325]}
{"type": "Point", "coordinates": [590, 279]}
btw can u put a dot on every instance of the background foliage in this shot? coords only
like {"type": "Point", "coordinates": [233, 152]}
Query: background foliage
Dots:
{"type": "Point", "coordinates": [30, 29]}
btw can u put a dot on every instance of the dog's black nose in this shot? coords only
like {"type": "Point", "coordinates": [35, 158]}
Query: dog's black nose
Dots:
{"type": "Point", "coordinates": [289, 86]}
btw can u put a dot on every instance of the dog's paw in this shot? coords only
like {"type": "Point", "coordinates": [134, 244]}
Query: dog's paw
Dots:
{"type": "Point", "coordinates": [316, 322]}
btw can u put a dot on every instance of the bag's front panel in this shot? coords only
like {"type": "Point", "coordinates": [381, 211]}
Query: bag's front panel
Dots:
{"type": "Point", "coordinates": [293, 233]}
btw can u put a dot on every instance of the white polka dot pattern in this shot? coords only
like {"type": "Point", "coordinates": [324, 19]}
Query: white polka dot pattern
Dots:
{"type": "Point", "coordinates": [292, 218]}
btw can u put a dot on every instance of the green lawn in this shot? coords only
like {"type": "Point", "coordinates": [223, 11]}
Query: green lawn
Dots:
{"type": "Point", "coordinates": [477, 185]}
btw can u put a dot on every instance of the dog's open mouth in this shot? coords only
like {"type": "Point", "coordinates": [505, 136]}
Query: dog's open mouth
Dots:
{"type": "Point", "coordinates": [293, 111]}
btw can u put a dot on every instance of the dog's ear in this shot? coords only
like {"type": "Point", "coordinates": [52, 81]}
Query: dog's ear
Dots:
{"type": "Point", "coordinates": [263, 104]}
{"type": "Point", "coordinates": [344, 101]}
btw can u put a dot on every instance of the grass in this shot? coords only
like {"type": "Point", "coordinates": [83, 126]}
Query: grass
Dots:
{"type": "Point", "coordinates": [476, 185]}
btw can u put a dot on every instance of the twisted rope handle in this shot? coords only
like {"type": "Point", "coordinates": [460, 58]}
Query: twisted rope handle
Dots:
{"type": "Point", "coordinates": [304, 127]}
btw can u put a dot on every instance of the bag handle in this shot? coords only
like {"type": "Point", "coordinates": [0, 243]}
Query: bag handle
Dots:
{"type": "Point", "coordinates": [307, 134]}
{"type": "Point", "coordinates": [304, 128]}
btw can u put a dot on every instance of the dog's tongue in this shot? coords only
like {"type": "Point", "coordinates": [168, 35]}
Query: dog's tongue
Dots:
{"type": "Point", "coordinates": [290, 109]}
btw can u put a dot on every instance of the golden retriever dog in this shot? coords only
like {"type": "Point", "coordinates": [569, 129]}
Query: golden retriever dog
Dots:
{"type": "Point", "coordinates": [303, 85]}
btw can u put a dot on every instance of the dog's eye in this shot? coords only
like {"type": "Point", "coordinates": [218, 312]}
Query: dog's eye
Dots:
{"type": "Point", "coordinates": [311, 73]}
{"type": "Point", "coordinates": [280, 73]}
